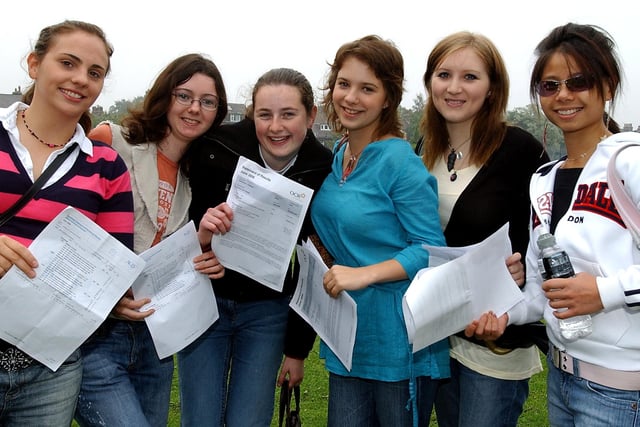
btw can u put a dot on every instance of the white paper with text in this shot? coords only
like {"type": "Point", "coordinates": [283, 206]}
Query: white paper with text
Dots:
{"type": "Point", "coordinates": [268, 212]}
{"type": "Point", "coordinates": [465, 283]}
{"type": "Point", "coordinates": [183, 299]}
{"type": "Point", "coordinates": [334, 319]}
{"type": "Point", "coordinates": [83, 271]}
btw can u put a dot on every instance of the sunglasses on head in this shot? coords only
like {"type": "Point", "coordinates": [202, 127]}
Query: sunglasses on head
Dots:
{"type": "Point", "coordinates": [576, 83]}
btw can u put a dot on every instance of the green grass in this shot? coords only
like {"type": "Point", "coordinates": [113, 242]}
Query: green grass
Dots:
{"type": "Point", "coordinates": [314, 396]}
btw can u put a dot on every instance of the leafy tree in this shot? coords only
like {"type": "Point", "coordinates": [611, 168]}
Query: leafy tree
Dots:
{"type": "Point", "coordinates": [411, 119]}
{"type": "Point", "coordinates": [116, 112]}
{"type": "Point", "coordinates": [532, 120]}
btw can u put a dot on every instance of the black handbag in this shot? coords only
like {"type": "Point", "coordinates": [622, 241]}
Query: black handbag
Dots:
{"type": "Point", "coordinates": [522, 336]}
{"type": "Point", "coordinates": [516, 336]}
{"type": "Point", "coordinates": [290, 417]}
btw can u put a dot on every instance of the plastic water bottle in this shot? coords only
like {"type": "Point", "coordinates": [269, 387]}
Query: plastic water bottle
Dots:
{"type": "Point", "coordinates": [555, 263]}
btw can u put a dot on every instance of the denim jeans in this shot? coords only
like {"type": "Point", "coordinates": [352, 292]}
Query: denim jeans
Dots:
{"type": "Point", "coordinates": [359, 402]}
{"type": "Point", "coordinates": [470, 399]}
{"type": "Point", "coordinates": [228, 375]}
{"type": "Point", "coordinates": [575, 401]}
{"type": "Point", "coordinates": [124, 382]}
{"type": "Point", "coordinates": [37, 396]}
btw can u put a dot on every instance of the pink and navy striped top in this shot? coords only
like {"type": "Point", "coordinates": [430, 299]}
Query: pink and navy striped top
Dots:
{"type": "Point", "coordinates": [98, 186]}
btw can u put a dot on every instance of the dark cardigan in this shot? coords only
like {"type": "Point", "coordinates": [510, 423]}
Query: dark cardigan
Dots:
{"type": "Point", "coordinates": [211, 164]}
{"type": "Point", "coordinates": [499, 193]}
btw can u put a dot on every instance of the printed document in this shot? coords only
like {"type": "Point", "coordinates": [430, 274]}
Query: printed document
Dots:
{"type": "Point", "coordinates": [333, 319]}
{"type": "Point", "coordinates": [458, 287]}
{"type": "Point", "coordinates": [182, 297]}
{"type": "Point", "coordinates": [83, 271]}
{"type": "Point", "coordinates": [268, 212]}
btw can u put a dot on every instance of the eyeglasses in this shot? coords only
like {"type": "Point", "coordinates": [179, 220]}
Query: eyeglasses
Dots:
{"type": "Point", "coordinates": [209, 102]}
{"type": "Point", "coordinates": [576, 83]}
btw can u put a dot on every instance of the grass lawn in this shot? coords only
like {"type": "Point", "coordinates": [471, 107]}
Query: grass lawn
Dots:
{"type": "Point", "coordinates": [314, 396]}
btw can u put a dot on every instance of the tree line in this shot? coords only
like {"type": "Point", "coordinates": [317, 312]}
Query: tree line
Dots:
{"type": "Point", "coordinates": [528, 118]}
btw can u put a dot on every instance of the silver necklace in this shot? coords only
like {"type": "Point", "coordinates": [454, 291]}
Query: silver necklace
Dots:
{"type": "Point", "coordinates": [452, 157]}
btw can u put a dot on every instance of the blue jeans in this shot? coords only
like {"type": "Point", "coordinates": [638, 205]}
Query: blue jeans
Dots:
{"type": "Point", "coordinates": [228, 375]}
{"type": "Point", "coordinates": [124, 382]}
{"type": "Point", "coordinates": [359, 402]}
{"type": "Point", "coordinates": [574, 401]}
{"type": "Point", "coordinates": [37, 396]}
{"type": "Point", "coordinates": [471, 399]}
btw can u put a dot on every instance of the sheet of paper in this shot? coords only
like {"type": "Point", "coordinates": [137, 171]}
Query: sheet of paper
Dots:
{"type": "Point", "coordinates": [268, 212]}
{"type": "Point", "coordinates": [83, 271]}
{"type": "Point", "coordinates": [183, 298]}
{"type": "Point", "coordinates": [334, 319]}
{"type": "Point", "coordinates": [442, 300]}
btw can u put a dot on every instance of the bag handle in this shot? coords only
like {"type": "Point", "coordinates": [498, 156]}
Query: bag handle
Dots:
{"type": "Point", "coordinates": [628, 211]}
{"type": "Point", "coordinates": [35, 187]}
{"type": "Point", "coordinates": [285, 401]}
{"type": "Point", "coordinates": [296, 394]}
{"type": "Point", "coordinates": [285, 398]}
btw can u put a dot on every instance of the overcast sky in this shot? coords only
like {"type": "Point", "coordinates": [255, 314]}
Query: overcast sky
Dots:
{"type": "Point", "coordinates": [247, 37]}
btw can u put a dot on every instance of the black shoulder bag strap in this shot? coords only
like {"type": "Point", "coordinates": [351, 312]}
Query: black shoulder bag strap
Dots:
{"type": "Point", "coordinates": [37, 185]}
{"type": "Point", "coordinates": [284, 402]}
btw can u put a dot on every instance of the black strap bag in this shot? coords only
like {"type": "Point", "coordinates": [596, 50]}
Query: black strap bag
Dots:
{"type": "Point", "coordinates": [35, 187]}
{"type": "Point", "coordinates": [290, 417]}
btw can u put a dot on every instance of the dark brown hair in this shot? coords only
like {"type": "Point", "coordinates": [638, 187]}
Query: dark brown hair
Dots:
{"type": "Point", "coordinates": [148, 122]}
{"type": "Point", "coordinates": [594, 53]}
{"type": "Point", "coordinates": [288, 77]}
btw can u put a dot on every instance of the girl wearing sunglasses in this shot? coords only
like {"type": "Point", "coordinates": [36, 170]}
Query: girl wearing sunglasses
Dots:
{"type": "Point", "coordinates": [593, 380]}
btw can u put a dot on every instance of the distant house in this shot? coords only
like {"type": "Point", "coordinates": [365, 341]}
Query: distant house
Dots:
{"type": "Point", "coordinates": [235, 113]}
{"type": "Point", "coordinates": [321, 128]}
{"type": "Point", "coordinates": [8, 99]}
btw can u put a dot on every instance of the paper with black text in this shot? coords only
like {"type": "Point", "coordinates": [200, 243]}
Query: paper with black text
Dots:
{"type": "Point", "coordinates": [182, 298]}
{"type": "Point", "coordinates": [465, 283]}
{"type": "Point", "coordinates": [82, 273]}
{"type": "Point", "coordinates": [268, 212]}
{"type": "Point", "coordinates": [334, 319]}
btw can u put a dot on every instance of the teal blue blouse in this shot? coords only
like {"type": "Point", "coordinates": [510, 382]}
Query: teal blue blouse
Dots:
{"type": "Point", "coordinates": [386, 209]}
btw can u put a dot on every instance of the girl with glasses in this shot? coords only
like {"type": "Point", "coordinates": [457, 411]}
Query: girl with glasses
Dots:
{"type": "Point", "coordinates": [124, 382]}
{"type": "Point", "coordinates": [593, 380]}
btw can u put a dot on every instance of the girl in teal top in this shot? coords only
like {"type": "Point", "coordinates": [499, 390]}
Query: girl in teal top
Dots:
{"type": "Point", "coordinates": [373, 213]}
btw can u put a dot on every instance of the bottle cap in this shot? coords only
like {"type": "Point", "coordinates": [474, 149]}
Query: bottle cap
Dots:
{"type": "Point", "coordinates": [546, 240]}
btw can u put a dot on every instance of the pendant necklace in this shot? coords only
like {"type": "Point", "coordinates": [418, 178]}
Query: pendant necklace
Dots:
{"type": "Point", "coordinates": [579, 156]}
{"type": "Point", "coordinates": [452, 157]}
{"type": "Point", "coordinates": [24, 120]}
{"type": "Point", "coordinates": [351, 164]}
{"type": "Point", "coordinates": [583, 155]}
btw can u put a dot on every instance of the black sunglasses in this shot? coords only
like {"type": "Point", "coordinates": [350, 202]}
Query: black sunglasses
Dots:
{"type": "Point", "coordinates": [576, 83]}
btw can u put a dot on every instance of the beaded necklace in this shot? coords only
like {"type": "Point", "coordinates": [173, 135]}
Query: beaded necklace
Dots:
{"type": "Point", "coordinates": [24, 120]}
